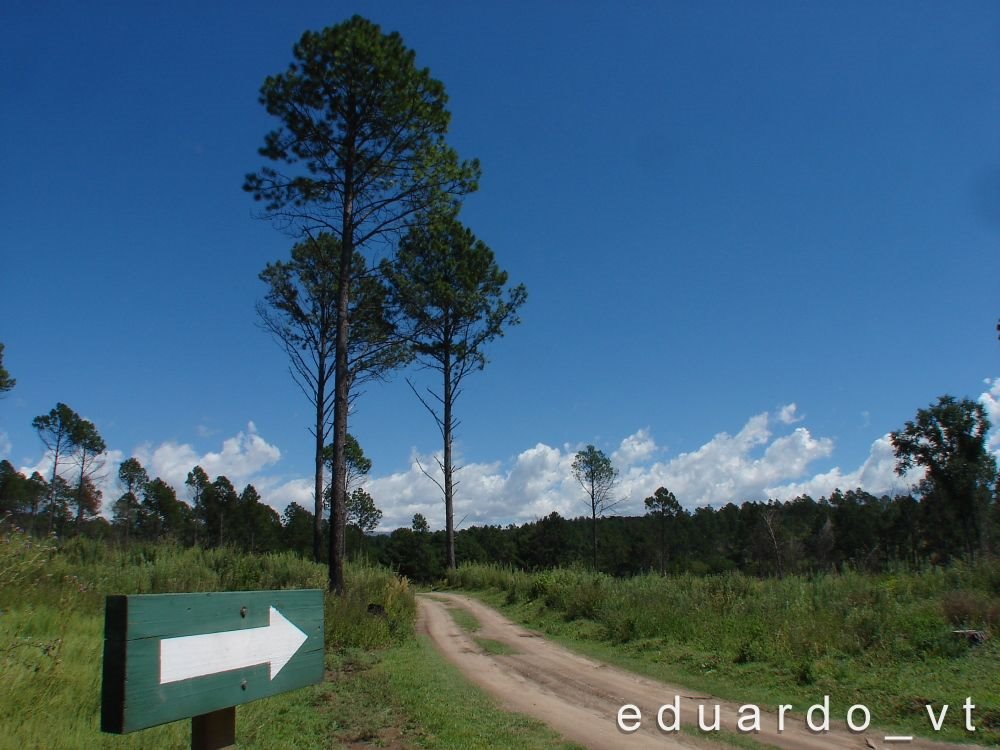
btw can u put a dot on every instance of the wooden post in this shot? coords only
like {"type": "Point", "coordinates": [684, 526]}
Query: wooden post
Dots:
{"type": "Point", "coordinates": [215, 730]}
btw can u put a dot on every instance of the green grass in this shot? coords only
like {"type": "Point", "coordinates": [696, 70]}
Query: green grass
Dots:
{"type": "Point", "coordinates": [883, 641]}
{"type": "Point", "coordinates": [423, 702]}
{"type": "Point", "coordinates": [497, 648]}
{"type": "Point", "coordinates": [51, 691]}
{"type": "Point", "coordinates": [727, 737]}
{"type": "Point", "coordinates": [384, 686]}
{"type": "Point", "coordinates": [468, 622]}
{"type": "Point", "coordinates": [464, 619]}
{"type": "Point", "coordinates": [52, 630]}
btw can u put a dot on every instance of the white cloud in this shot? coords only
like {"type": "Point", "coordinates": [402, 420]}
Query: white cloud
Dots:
{"type": "Point", "coordinates": [791, 455]}
{"type": "Point", "coordinates": [169, 461]}
{"type": "Point", "coordinates": [280, 493]}
{"type": "Point", "coordinates": [876, 475]}
{"type": "Point", "coordinates": [732, 468]}
{"type": "Point", "coordinates": [542, 481]}
{"type": "Point", "coordinates": [241, 458]}
{"type": "Point", "coordinates": [105, 476]}
{"type": "Point", "coordinates": [763, 460]}
{"type": "Point", "coordinates": [479, 493]}
{"type": "Point", "coordinates": [44, 467]}
{"type": "Point", "coordinates": [766, 458]}
{"type": "Point", "coordinates": [991, 403]}
{"type": "Point", "coordinates": [637, 447]}
{"type": "Point", "coordinates": [787, 414]}
{"type": "Point", "coordinates": [539, 481]}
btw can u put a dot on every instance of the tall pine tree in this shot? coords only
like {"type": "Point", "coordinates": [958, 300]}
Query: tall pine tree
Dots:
{"type": "Point", "coordinates": [359, 152]}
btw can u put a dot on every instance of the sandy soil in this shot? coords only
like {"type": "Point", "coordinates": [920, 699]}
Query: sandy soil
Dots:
{"type": "Point", "coordinates": [580, 697]}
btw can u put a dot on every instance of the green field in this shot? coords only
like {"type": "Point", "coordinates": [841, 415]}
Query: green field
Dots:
{"type": "Point", "coordinates": [384, 686]}
{"type": "Point", "coordinates": [885, 641]}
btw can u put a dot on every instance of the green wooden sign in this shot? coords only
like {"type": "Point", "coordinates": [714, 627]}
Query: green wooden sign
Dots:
{"type": "Point", "coordinates": [174, 656]}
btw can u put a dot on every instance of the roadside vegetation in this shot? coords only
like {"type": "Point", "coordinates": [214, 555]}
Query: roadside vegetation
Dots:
{"type": "Point", "coordinates": [886, 641]}
{"type": "Point", "coordinates": [384, 686]}
{"type": "Point", "coordinates": [52, 631]}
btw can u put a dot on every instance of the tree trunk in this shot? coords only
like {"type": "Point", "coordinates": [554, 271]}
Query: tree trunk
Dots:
{"type": "Point", "coordinates": [593, 520]}
{"type": "Point", "coordinates": [341, 383]}
{"type": "Point", "coordinates": [338, 498]}
{"type": "Point", "coordinates": [79, 493]}
{"type": "Point", "coordinates": [52, 488]}
{"type": "Point", "coordinates": [769, 522]}
{"type": "Point", "coordinates": [318, 471]}
{"type": "Point", "coordinates": [663, 542]}
{"type": "Point", "coordinates": [449, 487]}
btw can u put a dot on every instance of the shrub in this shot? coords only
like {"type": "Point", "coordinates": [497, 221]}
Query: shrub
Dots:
{"type": "Point", "coordinates": [964, 609]}
{"type": "Point", "coordinates": [350, 624]}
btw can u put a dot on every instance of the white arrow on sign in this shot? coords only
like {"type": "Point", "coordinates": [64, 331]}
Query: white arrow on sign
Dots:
{"type": "Point", "coordinates": [191, 656]}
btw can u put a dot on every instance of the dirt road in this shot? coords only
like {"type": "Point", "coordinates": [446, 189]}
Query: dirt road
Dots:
{"type": "Point", "coordinates": [580, 697]}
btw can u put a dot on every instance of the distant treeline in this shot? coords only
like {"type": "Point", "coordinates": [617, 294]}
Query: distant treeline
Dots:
{"type": "Point", "coordinates": [852, 529]}
{"type": "Point", "coordinates": [149, 510]}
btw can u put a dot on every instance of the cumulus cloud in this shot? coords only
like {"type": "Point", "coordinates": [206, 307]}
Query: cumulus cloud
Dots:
{"type": "Point", "coordinates": [770, 456]}
{"type": "Point", "coordinates": [279, 493]}
{"type": "Point", "coordinates": [170, 461]}
{"type": "Point", "coordinates": [733, 467]}
{"type": "Point", "coordinates": [787, 414]}
{"type": "Point", "coordinates": [539, 480]}
{"type": "Point", "coordinates": [763, 460]}
{"type": "Point", "coordinates": [241, 458]}
{"type": "Point", "coordinates": [991, 403]}
{"type": "Point", "coordinates": [104, 477]}
{"type": "Point", "coordinates": [877, 474]}
{"type": "Point", "coordinates": [479, 493]}
{"type": "Point", "coordinates": [634, 449]}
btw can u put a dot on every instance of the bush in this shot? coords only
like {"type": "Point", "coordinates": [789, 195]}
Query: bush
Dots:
{"type": "Point", "coordinates": [22, 558]}
{"type": "Point", "coordinates": [350, 624]}
{"type": "Point", "coordinates": [965, 609]}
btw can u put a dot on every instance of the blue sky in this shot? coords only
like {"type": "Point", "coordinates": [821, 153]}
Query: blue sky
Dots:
{"type": "Point", "coordinates": [720, 210]}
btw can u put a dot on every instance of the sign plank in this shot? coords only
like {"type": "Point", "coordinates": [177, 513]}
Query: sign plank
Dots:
{"type": "Point", "coordinates": [174, 656]}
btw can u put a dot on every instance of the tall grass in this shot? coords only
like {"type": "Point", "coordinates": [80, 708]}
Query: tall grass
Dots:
{"type": "Point", "coordinates": [885, 640]}
{"type": "Point", "coordinates": [51, 634]}
{"type": "Point", "coordinates": [897, 615]}
{"type": "Point", "coordinates": [349, 624]}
